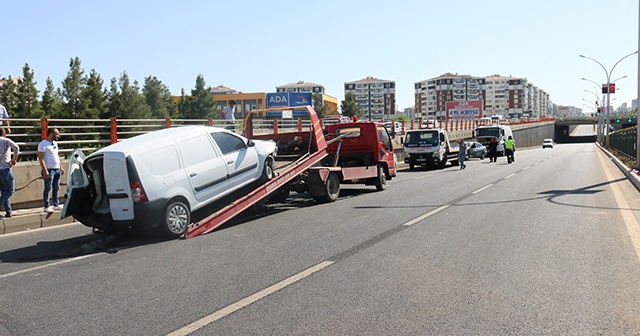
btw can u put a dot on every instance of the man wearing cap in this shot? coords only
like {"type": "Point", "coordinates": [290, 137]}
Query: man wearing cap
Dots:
{"type": "Point", "coordinates": [228, 113]}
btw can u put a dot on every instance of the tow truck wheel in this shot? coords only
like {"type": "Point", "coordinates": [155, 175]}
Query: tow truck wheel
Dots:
{"type": "Point", "coordinates": [331, 189]}
{"type": "Point", "coordinates": [381, 180]}
{"type": "Point", "coordinates": [175, 219]}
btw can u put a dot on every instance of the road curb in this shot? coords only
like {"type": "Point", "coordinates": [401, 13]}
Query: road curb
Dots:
{"type": "Point", "coordinates": [31, 219]}
{"type": "Point", "coordinates": [633, 178]}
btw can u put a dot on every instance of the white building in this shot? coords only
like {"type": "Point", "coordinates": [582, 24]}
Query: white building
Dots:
{"type": "Point", "coordinates": [377, 97]}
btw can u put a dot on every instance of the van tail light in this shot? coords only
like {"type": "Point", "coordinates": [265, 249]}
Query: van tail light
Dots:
{"type": "Point", "coordinates": [137, 192]}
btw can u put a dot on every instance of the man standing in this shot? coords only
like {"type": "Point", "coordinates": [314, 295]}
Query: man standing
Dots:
{"type": "Point", "coordinates": [7, 160]}
{"type": "Point", "coordinates": [4, 116]}
{"type": "Point", "coordinates": [51, 169]}
{"type": "Point", "coordinates": [509, 148]}
{"type": "Point", "coordinates": [228, 113]}
{"type": "Point", "coordinates": [493, 150]}
{"type": "Point", "coordinates": [462, 154]}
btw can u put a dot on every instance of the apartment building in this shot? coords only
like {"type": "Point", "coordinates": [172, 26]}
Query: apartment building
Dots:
{"type": "Point", "coordinates": [510, 97]}
{"type": "Point", "coordinates": [432, 94]}
{"type": "Point", "coordinates": [377, 97]}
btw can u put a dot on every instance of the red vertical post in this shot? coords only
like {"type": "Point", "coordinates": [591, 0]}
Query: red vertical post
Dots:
{"type": "Point", "coordinates": [45, 128]}
{"type": "Point", "coordinates": [114, 131]}
{"type": "Point", "coordinates": [210, 122]}
{"type": "Point", "coordinates": [299, 125]}
{"type": "Point", "coordinates": [275, 126]}
{"type": "Point", "coordinates": [167, 123]}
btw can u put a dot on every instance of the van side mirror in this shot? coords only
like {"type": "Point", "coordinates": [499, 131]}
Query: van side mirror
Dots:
{"type": "Point", "coordinates": [250, 143]}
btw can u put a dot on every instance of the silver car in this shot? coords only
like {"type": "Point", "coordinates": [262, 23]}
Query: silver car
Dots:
{"type": "Point", "coordinates": [476, 150]}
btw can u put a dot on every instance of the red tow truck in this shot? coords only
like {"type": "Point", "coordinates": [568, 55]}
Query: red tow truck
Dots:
{"type": "Point", "coordinates": [317, 161]}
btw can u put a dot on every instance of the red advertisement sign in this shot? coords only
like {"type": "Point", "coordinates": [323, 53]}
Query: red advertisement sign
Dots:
{"type": "Point", "coordinates": [466, 109]}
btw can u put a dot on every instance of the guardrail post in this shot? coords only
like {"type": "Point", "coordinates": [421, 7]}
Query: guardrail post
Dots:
{"type": "Point", "coordinates": [167, 123]}
{"type": "Point", "coordinates": [299, 125]}
{"type": "Point", "coordinates": [275, 126]}
{"type": "Point", "coordinates": [211, 122]}
{"type": "Point", "coordinates": [45, 128]}
{"type": "Point", "coordinates": [114, 131]}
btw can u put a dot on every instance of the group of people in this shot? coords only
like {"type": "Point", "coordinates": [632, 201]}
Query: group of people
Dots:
{"type": "Point", "coordinates": [51, 169]}
{"type": "Point", "coordinates": [509, 150]}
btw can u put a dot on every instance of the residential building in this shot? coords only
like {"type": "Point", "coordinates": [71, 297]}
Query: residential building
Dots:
{"type": "Point", "coordinates": [432, 94]}
{"type": "Point", "coordinates": [376, 97]}
{"type": "Point", "coordinates": [507, 96]}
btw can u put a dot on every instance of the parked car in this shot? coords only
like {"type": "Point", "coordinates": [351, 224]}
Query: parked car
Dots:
{"type": "Point", "coordinates": [157, 179]}
{"type": "Point", "coordinates": [547, 143]}
{"type": "Point", "coordinates": [335, 120]}
{"type": "Point", "coordinates": [476, 150]}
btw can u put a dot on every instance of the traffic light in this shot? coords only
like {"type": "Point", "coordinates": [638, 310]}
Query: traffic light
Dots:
{"type": "Point", "coordinates": [629, 120]}
{"type": "Point", "coordinates": [605, 88]}
{"type": "Point", "coordinates": [599, 109]}
{"type": "Point", "coordinates": [617, 120]}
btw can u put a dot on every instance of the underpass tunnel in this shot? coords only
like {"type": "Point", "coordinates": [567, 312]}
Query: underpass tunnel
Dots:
{"type": "Point", "coordinates": [563, 134]}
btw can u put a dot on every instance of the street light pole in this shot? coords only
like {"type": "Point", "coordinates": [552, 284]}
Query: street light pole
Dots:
{"type": "Point", "coordinates": [608, 73]}
{"type": "Point", "coordinates": [598, 116]}
{"type": "Point", "coordinates": [600, 121]}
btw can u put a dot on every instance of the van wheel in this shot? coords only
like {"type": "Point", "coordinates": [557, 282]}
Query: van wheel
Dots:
{"type": "Point", "coordinates": [267, 171]}
{"type": "Point", "coordinates": [331, 189]}
{"type": "Point", "coordinates": [381, 180]}
{"type": "Point", "coordinates": [175, 219]}
{"type": "Point", "coordinates": [412, 166]}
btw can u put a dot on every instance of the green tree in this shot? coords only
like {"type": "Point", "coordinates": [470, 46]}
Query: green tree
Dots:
{"type": "Point", "coordinates": [350, 106]}
{"type": "Point", "coordinates": [202, 104]}
{"type": "Point", "coordinates": [8, 95]}
{"type": "Point", "coordinates": [134, 105]}
{"type": "Point", "coordinates": [28, 105]}
{"type": "Point", "coordinates": [51, 100]}
{"type": "Point", "coordinates": [94, 96]}
{"type": "Point", "coordinates": [321, 108]}
{"type": "Point", "coordinates": [183, 105]}
{"type": "Point", "coordinates": [114, 101]}
{"type": "Point", "coordinates": [74, 107]}
{"type": "Point", "coordinates": [159, 98]}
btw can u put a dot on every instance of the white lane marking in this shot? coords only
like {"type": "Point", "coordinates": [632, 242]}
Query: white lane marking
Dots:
{"type": "Point", "coordinates": [527, 167]}
{"type": "Point", "coordinates": [430, 213]}
{"type": "Point", "coordinates": [627, 215]}
{"type": "Point", "coordinates": [45, 266]}
{"type": "Point", "coordinates": [508, 176]}
{"type": "Point", "coordinates": [248, 300]}
{"type": "Point", "coordinates": [483, 188]}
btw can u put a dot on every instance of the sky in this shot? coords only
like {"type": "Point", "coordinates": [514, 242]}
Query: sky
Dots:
{"type": "Point", "coordinates": [255, 45]}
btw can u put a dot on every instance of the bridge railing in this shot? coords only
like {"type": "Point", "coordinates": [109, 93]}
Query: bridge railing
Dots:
{"type": "Point", "coordinates": [625, 141]}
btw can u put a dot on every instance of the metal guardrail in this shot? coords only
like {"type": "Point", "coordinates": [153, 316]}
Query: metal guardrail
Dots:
{"type": "Point", "coordinates": [93, 134]}
{"type": "Point", "coordinates": [625, 141]}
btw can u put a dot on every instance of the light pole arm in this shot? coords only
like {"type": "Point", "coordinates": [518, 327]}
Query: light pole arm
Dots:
{"type": "Point", "coordinates": [605, 69]}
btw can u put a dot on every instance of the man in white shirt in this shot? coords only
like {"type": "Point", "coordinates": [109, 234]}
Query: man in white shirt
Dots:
{"type": "Point", "coordinates": [51, 169]}
{"type": "Point", "coordinates": [4, 116]}
{"type": "Point", "coordinates": [228, 114]}
{"type": "Point", "coordinates": [9, 152]}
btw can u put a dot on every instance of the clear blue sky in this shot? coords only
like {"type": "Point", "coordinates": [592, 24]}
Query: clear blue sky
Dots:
{"type": "Point", "coordinates": [255, 45]}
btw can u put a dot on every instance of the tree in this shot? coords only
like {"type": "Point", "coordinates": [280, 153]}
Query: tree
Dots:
{"type": "Point", "coordinates": [322, 108]}
{"type": "Point", "coordinates": [51, 100]}
{"type": "Point", "coordinates": [350, 106]}
{"type": "Point", "coordinates": [74, 107]}
{"type": "Point", "coordinates": [94, 96]}
{"type": "Point", "coordinates": [8, 95]}
{"type": "Point", "coordinates": [183, 105]}
{"type": "Point", "coordinates": [202, 104]}
{"type": "Point", "coordinates": [114, 101]}
{"type": "Point", "coordinates": [133, 102]}
{"type": "Point", "coordinates": [27, 104]}
{"type": "Point", "coordinates": [159, 98]}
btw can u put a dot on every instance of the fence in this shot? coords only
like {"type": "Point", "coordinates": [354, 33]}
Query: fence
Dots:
{"type": "Point", "coordinates": [625, 141]}
{"type": "Point", "coordinates": [93, 134]}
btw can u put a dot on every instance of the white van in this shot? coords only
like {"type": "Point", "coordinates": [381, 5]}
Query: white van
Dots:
{"type": "Point", "coordinates": [157, 179]}
{"type": "Point", "coordinates": [484, 134]}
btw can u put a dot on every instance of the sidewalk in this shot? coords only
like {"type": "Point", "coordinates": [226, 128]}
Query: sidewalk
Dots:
{"type": "Point", "coordinates": [28, 219]}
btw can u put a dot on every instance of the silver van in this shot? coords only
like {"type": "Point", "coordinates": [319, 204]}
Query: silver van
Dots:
{"type": "Point", "coordinates": [157, 179]}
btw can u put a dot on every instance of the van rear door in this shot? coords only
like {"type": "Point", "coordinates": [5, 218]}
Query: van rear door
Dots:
{"type": "Point", "coordinates": [116, 179]}
{"type": "Point", "coordinates": [76, 179]}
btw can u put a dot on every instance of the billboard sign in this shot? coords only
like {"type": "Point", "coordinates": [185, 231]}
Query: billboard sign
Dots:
{"type": "Point", "coordinates": [466, 109]}
{"type": "Point", "coordinates": [299, 98]}
{"type": "Point", "coordinates": [278, 99]}
{"type": "Point", "coordinates": [287, 99]}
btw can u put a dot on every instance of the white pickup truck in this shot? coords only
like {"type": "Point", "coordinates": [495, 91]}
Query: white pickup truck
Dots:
{"type": "Point", "coordinates": [429, 147]}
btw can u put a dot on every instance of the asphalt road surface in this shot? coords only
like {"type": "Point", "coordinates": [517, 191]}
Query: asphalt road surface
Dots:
{"type": "Point", "coordinates": [548, 245]}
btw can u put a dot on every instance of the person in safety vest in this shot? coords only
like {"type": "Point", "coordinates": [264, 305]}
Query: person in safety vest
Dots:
{"type": "Point", "coordinates": [510, 148]}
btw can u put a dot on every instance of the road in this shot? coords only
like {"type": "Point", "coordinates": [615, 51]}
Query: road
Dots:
{"type": "Point", "coordinates": [584, 130]}
{"type": "Point", "coordinates": [548, 245]}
